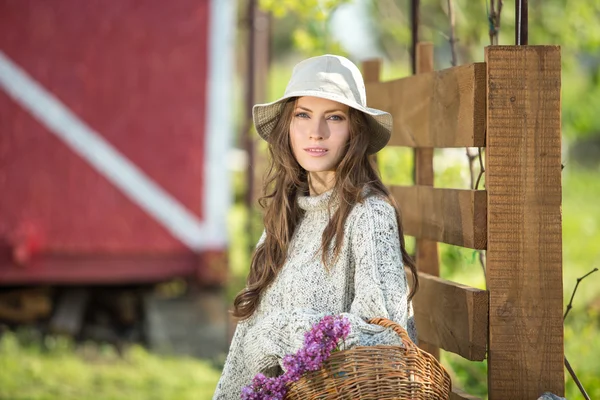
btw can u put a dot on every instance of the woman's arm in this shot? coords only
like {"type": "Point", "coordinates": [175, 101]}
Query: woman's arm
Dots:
{"type": "Point", "coordinates": [241, 364]}
{"type": "Point", "coordinates": [380, 284]}
{"type": "Point", "coordinates": [235, 373]}
{"type": "Point", "coordinates": [249, 354]}
{"type": "Point", "coordinates": [282, 333]}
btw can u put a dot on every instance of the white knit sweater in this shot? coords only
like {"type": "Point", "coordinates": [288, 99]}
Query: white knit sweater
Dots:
{"type": "Point", "coordinates": [368, 280]}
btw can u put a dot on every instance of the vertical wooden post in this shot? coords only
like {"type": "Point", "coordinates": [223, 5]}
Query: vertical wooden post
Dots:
{"type": "Point", "coordinates": [371, 73]}
{"type": "Point", "coordinates": [415, 6]}
{"type": "Point", "coordinates": [427, 250]}
{"type": "Point", "coordinates": [524, 256]}
{"type": "Point", "coordinates": [371, 70]}
{"type": "Point", "coordinates": [262, 54]}
{"type": "Point", "coordinates": [261, 60]}
{"type": "Point", "coordinates": [246, 137]}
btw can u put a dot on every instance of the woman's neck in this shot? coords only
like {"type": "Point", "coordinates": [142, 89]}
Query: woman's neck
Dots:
{"type": "Point", "coordinates": [320, 182]}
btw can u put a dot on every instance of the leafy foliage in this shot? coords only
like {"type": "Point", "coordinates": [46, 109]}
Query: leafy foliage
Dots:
{"type": "Point", "coordinates": [310, 28]}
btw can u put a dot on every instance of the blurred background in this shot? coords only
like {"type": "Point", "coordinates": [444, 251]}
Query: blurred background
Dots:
{"type": "Point", "coordinates": [130, 173]}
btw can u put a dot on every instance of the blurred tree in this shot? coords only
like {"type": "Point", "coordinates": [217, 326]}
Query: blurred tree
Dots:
{"type": "Point", "coordinates": [306, 22]}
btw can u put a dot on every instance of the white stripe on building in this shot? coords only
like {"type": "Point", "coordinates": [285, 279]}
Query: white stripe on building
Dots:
{"type": "Point", "coordinates": [107, 160]}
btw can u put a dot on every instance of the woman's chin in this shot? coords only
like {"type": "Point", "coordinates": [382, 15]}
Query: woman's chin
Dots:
{"type": "Point", "coordinates": [318, 167]}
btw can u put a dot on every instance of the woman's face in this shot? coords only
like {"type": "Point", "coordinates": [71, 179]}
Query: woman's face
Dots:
{"type": "Point", "coordinates": [319, 133]}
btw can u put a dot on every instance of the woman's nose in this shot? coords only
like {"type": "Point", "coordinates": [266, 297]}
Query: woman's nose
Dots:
{"type": "Point", "coordinates": [318, 129]}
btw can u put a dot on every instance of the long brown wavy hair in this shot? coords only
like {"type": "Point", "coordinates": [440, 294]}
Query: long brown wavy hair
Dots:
{"type": "Point", "coordinates": [285, 180]}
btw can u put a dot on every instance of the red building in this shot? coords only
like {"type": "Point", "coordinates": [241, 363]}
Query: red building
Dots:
{"type": "Point", "coordinates": [115, 124]}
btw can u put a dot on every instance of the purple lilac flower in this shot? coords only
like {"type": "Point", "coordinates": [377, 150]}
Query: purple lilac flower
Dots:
{"type": "Point", "coordinates": [319, 342]}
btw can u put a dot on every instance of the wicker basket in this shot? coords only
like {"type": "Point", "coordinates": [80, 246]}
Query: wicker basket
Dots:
{"type": "Point", "coordinates": [377, 373]}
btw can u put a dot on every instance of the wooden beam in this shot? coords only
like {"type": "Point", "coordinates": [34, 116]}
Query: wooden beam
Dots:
{"type": "Point", "coordinates": [371, 70]}
{"type": "Point", "coordinates": [438, 109]}
{"type": "Point", "coordinates": [524, 257]}
{"type": "Point", "coordinates": [427, 249]}
{"type": "Point", "coordinates": [26, 305]}
{"type": "Point", "coordinates": [452, 316]}
{"type": "Point", "coordinates": [427, 258]}
{"type": "Point", "coordinates": [261, 59]}
{"type": "Point", "coordinates": [453, 216]}
{"type": "Point", "coordinates": [371, 73]}
{"type": "Point", "coordinates": [458, 394]}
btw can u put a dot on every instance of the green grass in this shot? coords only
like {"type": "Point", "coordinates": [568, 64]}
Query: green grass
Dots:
{"type": "Point", "coordinates": [29, 371]}
{"type": "Point", "coordinates": [581, 253]}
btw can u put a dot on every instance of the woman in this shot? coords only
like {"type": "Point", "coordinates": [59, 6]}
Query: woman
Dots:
{"type": "Point", "coordinates": [333, 241]}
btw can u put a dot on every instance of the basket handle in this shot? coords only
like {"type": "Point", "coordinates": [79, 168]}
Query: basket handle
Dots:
{"type": "Point", "coordinates": [388, 323]}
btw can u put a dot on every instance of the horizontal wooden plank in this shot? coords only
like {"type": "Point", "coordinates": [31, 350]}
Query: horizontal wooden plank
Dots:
{"type": "Point", "coordinates": [458, 394]}
{"type": "Point", "coordinates": [444, 108]}
{"type": "Point", "coordinates": [453, 216]}
{"type": "Point", "coordinates": [452, 316]}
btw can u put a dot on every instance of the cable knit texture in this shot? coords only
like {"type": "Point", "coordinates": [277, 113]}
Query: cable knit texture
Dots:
{"type": "Point", "coordinates": [366, 281]}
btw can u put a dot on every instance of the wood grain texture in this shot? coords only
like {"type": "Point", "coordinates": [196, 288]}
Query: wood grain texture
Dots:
{"type": "Point", "coordinates": [427, 257]}
{"type": "Point", "coordinates": [524, 257]}
{"type": "Point", "coordinates": [452, 316]}
{"type": "Point", "coordinates": [427, 249]}
{"type": "Point", "coordinates": [437, 109]}
{"type": "Point", "coordinates": [371, 71]}
{"type": "Point", "coordinates": [424, 57]}
{"type": "Point", "coordinates": [453, 216]}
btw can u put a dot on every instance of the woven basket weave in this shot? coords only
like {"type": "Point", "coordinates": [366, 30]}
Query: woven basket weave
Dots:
{"type": "Point", "coordinates": [377, 373]}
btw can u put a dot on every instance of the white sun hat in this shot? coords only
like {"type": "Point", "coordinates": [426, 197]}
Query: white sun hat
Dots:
{"type": "Point", "coordinates": [329, 77]}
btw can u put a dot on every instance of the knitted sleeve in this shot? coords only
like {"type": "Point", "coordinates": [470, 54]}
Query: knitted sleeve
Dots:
{"type": "Point", "coordinates": [235, 373]}
{"type": "Point", "coordinates": [380, 284]}
{"type": "Point", "coordinates": [244, 361]}
{"type": "Point", "coordinates": [282, 332]}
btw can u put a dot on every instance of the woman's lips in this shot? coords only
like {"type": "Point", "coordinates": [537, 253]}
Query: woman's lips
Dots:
{"type": "Point", "coordinates": [316, 151]}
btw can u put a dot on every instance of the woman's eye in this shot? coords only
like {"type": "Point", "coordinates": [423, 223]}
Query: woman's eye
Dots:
{"type": "Point", "coordinates": [336, 118]}
{"type": "Point", "coordinates": [302, 115]}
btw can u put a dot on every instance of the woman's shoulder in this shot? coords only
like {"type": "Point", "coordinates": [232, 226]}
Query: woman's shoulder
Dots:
{"type": "Point", "coordinates": [373, 206]}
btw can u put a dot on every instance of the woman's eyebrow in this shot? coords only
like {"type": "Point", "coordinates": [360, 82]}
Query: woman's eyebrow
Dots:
{"type": "Point", "coordinates": [326, 112]}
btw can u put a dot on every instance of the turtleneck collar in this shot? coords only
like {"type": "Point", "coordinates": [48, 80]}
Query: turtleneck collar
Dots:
{"type": "Point", "coordinates": [319, 202]}
{"type": "Point", "coordinates": [324, 200]}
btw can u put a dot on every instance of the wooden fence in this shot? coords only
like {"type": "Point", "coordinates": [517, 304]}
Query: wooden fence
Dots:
{"type": "Point", "coordinates": [510, 104]}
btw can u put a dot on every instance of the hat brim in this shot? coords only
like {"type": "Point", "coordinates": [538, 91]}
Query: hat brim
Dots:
{"type": "Point", "coordinates": [266, 115]}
